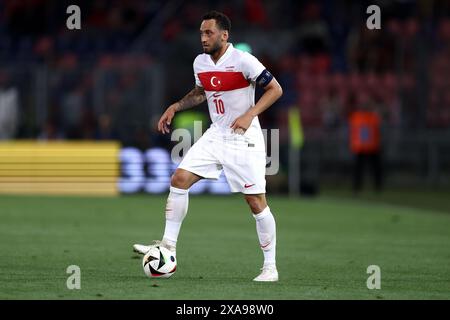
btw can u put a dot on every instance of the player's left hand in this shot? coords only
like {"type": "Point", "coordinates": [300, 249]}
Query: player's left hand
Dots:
{"type": "Point", "coordinates": [241, 124]}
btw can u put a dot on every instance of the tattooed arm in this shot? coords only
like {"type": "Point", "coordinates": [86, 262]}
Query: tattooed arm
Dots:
{"type": "Point", "coordinates": [192, 99]}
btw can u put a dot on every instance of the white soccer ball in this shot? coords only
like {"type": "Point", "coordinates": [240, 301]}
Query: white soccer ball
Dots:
{"type": "Point", "coordinates": [159, 262]}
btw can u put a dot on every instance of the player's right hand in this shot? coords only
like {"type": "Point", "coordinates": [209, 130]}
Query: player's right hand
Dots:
{"type": "Point", "coordinates": [166, 119]}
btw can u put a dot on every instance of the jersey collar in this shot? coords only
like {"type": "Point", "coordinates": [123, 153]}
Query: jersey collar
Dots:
{"type": "Point", "coordinates": [225, 55]}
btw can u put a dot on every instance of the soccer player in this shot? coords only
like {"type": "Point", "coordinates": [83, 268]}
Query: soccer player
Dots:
{"type": "Point", "coordinates": [226, 78]}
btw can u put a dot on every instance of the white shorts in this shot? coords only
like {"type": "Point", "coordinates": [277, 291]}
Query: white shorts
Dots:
{"type": "Point", "coordinates": [243, 162]}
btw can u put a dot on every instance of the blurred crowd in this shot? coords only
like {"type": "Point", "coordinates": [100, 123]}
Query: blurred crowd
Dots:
{"type": "Point", "coordinates": [96, 83]}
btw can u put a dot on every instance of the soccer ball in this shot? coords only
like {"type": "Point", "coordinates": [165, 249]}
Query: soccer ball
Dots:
{"type": "Point", "coordinates": [159, 262]}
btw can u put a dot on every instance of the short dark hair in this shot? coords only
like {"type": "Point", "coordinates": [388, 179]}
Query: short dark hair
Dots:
{"type": "Point", "coordinates": [222, 21]}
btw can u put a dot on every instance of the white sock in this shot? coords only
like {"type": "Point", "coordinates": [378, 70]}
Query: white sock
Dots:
{"type": "Point", "coordinates": [266, 230]}
{"type": "Point", "coordinates": [176, 210]}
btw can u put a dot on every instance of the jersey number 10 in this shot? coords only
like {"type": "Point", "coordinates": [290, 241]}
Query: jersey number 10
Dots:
{"type": "Point", "coordinates": [220, 107]}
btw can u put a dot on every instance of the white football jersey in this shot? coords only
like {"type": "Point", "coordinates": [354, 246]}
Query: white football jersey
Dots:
{"type": "Point", "coordinates": [229, 86]}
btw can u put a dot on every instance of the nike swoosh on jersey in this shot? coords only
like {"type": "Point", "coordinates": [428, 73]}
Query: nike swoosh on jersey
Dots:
{"type": "Point", "coordinates": [215, 94]}
{"type": "Point", "coordinates": [248, 185]}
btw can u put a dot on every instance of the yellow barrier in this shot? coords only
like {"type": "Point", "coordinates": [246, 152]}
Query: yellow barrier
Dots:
{"type": "Point", "coordinates": [82, 168]}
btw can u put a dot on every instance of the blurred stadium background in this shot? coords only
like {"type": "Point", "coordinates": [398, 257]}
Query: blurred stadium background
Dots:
{"type": "Point", "coordinates": [112, 79]}
{"type": "Point", "coordinates": [78, 113]}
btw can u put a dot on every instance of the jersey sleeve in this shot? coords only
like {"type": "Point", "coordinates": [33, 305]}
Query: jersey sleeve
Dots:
{"type": "Point", "coordinates": [197, 80]}
{"type": "Point", "coordinates": [251, 67]}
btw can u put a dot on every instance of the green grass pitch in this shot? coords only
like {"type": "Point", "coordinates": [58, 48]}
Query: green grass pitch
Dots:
{"type": "Point", "coordinates": [324, 246]}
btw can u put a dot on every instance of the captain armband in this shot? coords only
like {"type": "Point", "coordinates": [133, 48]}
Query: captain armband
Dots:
{"type": "Point", "coordinates": [264, 78]}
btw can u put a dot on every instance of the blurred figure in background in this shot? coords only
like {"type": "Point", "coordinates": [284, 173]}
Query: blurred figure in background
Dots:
{"type": "Point", "coordinates": [365, 145]}
{"type": "Point", "coordinates": [9, 108]}
{"type": "Point", "coordinates": [51, 131]}
{"type": "Point", "coordinates": [105, 128]}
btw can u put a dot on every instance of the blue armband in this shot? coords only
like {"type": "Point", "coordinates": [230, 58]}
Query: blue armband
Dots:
{"type": "Point", "coordinates": [264, 78]}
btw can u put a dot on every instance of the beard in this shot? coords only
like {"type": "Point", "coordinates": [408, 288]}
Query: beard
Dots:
{"type": "Point", "coordinates": [213, 49]}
